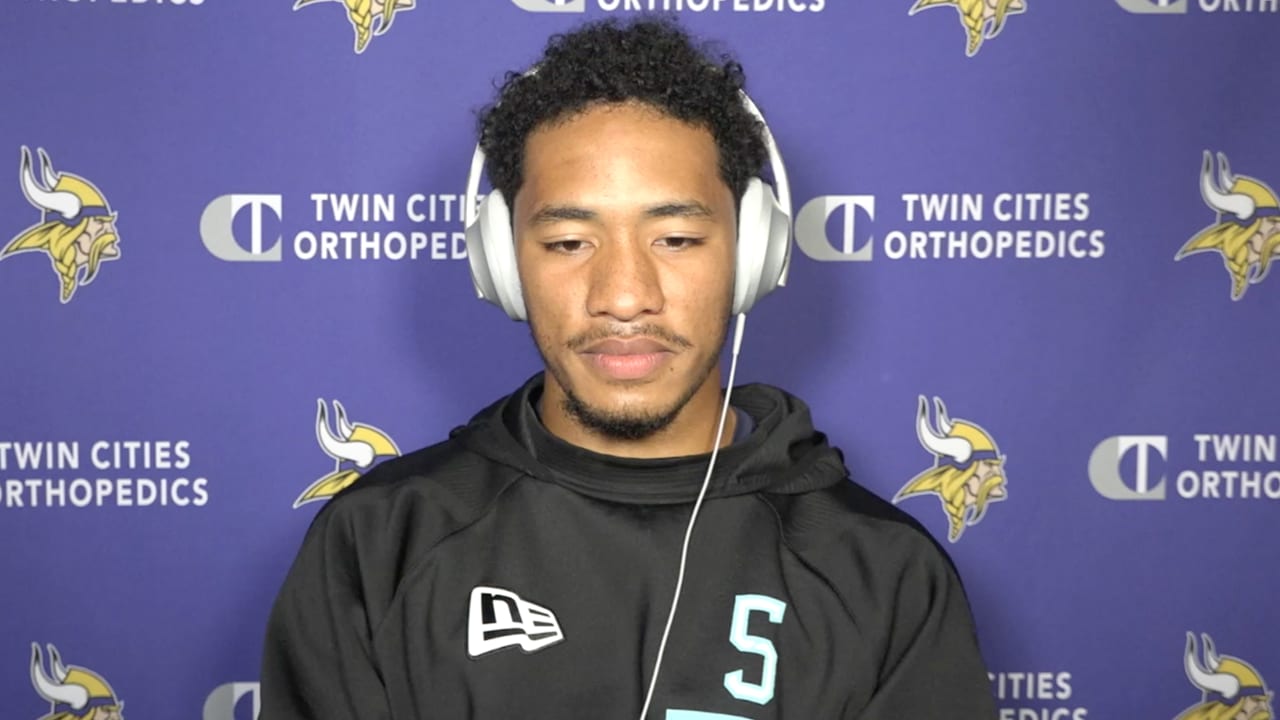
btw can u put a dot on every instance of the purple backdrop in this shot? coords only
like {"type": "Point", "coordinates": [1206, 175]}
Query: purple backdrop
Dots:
{"type": "Point", "coordinates": [996, 229]}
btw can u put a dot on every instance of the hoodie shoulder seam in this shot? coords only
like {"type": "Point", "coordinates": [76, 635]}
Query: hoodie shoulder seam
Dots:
{"type": "Point", "coordinates": [782, 538]}
{"type": "Point", "coordinates": [417, 565]}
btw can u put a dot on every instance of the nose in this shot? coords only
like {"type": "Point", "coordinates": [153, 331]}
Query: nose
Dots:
{"type": "Point", "coordinates": [625, 281]}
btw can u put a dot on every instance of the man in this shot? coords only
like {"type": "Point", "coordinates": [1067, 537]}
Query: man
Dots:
{"type": "Point", "coordinates": [526, 566]}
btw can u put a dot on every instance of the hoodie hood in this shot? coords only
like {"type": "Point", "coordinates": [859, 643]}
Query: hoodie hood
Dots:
{"type": "Point", "coordinates": [784, 454]}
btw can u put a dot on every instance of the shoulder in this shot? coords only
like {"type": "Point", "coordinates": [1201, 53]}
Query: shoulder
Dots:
{"type": "Point", "coordinates": [861, 541]}
{"type": "Point", "coordinates": [444, 467]}
{"type": "Point", "coordinates": [847, 511]}
{"type": "Point", "coordinates": [367, 539]}
{"type": "Point", "coordinates": [414, 500]}
{"type": "Point", "coordinates": [889, 574]}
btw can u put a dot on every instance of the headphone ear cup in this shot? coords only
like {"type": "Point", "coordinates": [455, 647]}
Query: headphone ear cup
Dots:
{"type": "Point", "coordinates": [777, 251]}
{"type": "Point", "coordinates": [478, 259]}
{"type": "Point", "coordinates": [494, 271]}
{"type": "Point", "coordinates": [764, 245]}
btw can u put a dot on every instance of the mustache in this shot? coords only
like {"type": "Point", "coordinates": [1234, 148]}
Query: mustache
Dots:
{"type": "Point", "coordinates": [104, 241]}
{"type": "Point", "coordinates": [624, 332]}
{"type": "Point", "coordinates": [103, 247]}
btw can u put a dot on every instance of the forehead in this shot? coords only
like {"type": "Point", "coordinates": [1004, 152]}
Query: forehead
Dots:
{"type": "Point", "coordinates": [618, 153]}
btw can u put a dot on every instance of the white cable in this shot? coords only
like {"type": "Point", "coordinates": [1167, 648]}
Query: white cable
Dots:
{"type": "Point", "coordinates": [688, 533]}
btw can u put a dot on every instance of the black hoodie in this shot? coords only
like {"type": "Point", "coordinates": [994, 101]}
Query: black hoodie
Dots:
{"type": "Point", "coordinates": [507, 574]}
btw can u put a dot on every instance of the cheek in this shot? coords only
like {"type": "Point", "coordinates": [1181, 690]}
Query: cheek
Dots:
{"type": "Point", "coordinates": [700, 306]}
{"type": "Point", "coordinates": [709, 285]}
{"type": "Point", "coordinates": [550, 299]}
{"type": "Point", "coordinates": [701, 293]}
{"type": "Point", "coordinates": [543, 329]}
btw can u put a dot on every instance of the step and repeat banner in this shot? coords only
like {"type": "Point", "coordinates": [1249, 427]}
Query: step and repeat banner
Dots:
{"type": "Point", "coordinates": [233, 279]}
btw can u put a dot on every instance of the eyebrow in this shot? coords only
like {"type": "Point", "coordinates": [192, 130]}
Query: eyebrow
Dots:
{"type": "Point", "coordinates": [556, 213]}
{"type": "Point", "coordinates": [684, 209]}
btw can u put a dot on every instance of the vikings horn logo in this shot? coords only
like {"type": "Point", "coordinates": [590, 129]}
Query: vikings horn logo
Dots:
{"type": "Point", "coordinates": [353, 449]}
{"type": "Point", "coordinates": [967, 473]}
{"type": "Point", "coordinates": [1247, 230]}
{"type": "Point", "coordinates": [1232, 688]}
{"type": "Point", "coordinates": [74, 693]}
{"type": "Point", "coordinates": [77, 228]}
{"type": "Point", "coordinates": [982, 19]}
{"type": "Point", "coordinates": [368, 17]}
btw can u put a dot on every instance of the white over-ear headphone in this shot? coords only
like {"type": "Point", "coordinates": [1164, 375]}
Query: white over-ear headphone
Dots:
{"type": "Point", "coordinates": [764, 236]}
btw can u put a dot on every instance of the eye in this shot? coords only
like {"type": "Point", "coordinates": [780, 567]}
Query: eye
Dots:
{"type": "Point", "coordinates": [678, 242]}
{"type": "Point", "coordinates": [566, 247]}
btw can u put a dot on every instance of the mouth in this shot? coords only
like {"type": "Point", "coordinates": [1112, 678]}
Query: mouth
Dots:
{"type": "Point", "coordinates": [633, 359]}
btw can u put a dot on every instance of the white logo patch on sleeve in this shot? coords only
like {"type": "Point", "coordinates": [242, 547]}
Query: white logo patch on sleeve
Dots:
{"type": "Point", "coordinates": [501, 619]}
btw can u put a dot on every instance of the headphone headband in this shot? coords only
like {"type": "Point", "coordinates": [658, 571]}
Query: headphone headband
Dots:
{"type": "Point", "coordinates": [781, 185]}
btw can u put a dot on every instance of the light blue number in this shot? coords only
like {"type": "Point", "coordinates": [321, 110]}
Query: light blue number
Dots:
{"type": "Point", "coordinates": [743, 606]}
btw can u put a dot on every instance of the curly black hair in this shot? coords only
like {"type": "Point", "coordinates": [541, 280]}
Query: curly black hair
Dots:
{"type": "Point", "coordinates": [649, 60]}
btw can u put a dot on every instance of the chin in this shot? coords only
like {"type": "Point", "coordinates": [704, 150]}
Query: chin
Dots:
{"type": "Point", "coordinates": [621, 420]}
{"type": "Point", "coordinates": [624, 399]}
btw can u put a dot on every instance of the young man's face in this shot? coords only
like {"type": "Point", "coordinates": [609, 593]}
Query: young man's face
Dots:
{"type": "Point", "coordinates": [625, 237]}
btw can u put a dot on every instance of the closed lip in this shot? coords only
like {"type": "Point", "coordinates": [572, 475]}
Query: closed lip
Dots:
{"type": "Point", "coordinates": [635, 346]}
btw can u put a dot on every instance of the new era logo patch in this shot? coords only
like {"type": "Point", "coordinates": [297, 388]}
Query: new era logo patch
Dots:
{"type": "Point", "coordinates": [501, 619]}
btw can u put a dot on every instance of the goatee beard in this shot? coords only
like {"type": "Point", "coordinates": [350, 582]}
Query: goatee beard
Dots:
{"type": "Point", "coordinates": [619, 426]}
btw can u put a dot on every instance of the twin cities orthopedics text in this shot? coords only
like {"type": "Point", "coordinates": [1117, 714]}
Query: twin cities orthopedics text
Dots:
{"type": "Point", "coordinates": [1028, 225]}
{"type": "Point", "coordinates": [951, 226]}
{"type": "Point", "coordinates": [1036, 696]}
{"type": "Point", "coordinates": [102, 473]}
{"type": "Point", "coordinates": [412, 243]}
{"type": "Point", "coordinates": [261, 227]}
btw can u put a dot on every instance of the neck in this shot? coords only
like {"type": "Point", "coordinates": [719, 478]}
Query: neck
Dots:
{"type": "Point", "coordinates": [690, 433]}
